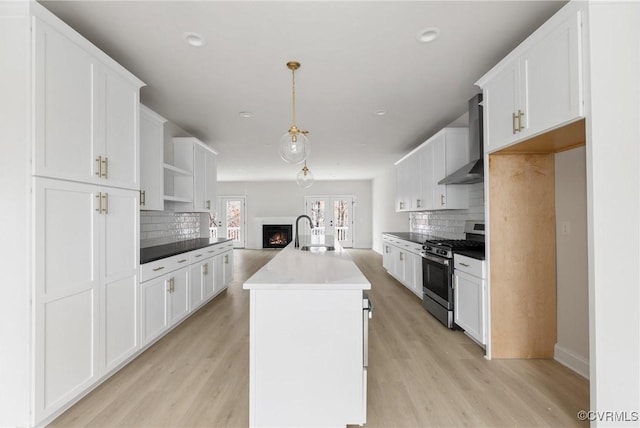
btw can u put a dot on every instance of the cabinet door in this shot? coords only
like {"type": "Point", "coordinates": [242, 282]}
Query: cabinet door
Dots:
{"type": "Point", "coordinates": [218, 272]}
{"type": "Point", "coordinates": [66, 292]}
{"type": "Point", "coordinates": [209, 273]}
{"type": "Point", "coordinates": [119, 239]}
{"type": "Point", "coordinates": [500, 98]}
{"type": "Point", "coordinates": [179, 296]}
{"type": "Point", "coordinates": [552, 77]}
{"type": "Point", "coordinates": [439, 168]}
{"type": "Point", "coordinates": [151, 160]}
{"type": "Point", "coordinates": [426, 198]}
{"type": "Point", "coordinates": [154, 308]}
{"type": "Point", "coordinates": [468, 306]}
{"type": "Point", "coordinates": [200, 179]}
{"type": "Point", "coordinates": [211, 180]}
{"type": "Point", "coordinates": [387, 258]}
{"type": "Point", "coordinates": [64, 102]}
{"type": "Point", "coordinates": [403, 198]}
{"type": "Point", "coordinates": [116, 121]}
{"type": "Point", "coordinates": [227, 268]}
{"type": "Point", "coordinates": [197, 275]}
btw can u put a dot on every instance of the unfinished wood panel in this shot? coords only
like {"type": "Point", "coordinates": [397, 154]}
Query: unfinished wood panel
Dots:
{"type": "Point", "coordinates": [558, 140]}
{"type": "Point", "coordinates": [523, 255]}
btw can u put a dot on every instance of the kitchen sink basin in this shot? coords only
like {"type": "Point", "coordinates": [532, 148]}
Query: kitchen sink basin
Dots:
{"type": "Point", "coordinates": [317, 248]}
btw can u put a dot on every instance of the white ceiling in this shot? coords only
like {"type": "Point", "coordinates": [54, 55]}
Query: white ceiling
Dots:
{"type": "Point", "coordinates": [357, 57]}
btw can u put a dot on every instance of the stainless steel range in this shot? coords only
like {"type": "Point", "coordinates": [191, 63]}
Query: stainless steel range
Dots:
{"type": "Point", "coordinates": [437, 270]}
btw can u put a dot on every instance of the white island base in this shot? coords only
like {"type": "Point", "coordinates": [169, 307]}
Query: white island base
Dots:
{"type": "Point", "coordinates": [307, 344]}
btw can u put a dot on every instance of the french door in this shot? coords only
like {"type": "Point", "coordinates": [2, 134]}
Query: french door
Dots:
{"type": "Point", "coordinates": [230, 219]}
{"type": "Point", "coordinates": [332, 215]}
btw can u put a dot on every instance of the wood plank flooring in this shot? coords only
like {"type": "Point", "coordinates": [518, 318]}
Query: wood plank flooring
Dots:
{"type": "Point", "coordinates": [420, 373]}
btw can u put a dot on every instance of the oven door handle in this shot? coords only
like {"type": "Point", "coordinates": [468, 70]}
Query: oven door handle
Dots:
{"type": "Point", "coordinates": [435, 259]}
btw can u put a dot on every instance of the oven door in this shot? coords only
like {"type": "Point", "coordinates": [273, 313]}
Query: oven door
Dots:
{"type": "Point", "coordinates": [436, 279]}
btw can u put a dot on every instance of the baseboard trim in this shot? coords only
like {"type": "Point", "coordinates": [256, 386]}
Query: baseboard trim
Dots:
{"type": "Point", "coordinates": [571, 360]}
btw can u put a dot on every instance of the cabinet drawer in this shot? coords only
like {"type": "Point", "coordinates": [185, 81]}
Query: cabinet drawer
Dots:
{"type": "Point", "coordinates": [160, 267]}
{"type": "Point", "coordinates": [469, 265]}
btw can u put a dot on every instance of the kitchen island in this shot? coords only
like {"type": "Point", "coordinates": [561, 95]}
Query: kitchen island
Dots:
{"type": "Point", "coordinates": [308, 339]}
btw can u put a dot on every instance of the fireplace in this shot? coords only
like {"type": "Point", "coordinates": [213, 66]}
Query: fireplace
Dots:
{"type": "Point", "coordinates": [276, 235]}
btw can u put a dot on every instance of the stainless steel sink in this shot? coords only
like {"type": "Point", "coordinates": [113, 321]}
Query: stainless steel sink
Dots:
{"type": "Point", "coordinates": [317, 248]}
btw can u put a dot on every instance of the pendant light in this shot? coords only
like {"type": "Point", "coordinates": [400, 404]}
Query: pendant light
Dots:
{"type": "Point", "coordinates": [304, 177]}
{"type": "Point", "coordinates": [294, 145]}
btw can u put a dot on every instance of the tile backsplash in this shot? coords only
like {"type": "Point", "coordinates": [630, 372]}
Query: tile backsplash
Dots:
{"type": "Point", "coordinates": [162, 227]}
{"type": "Point", "coordinates": [449, 224]}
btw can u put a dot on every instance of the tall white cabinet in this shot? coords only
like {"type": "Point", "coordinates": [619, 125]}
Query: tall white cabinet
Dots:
{"type": "Point", "coordinates": [73, 152]}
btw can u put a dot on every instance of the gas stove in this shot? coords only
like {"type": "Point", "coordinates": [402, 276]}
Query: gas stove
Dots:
{"type": "Point", "coordinates": [474, 232]}
{"type": "Point", "coordinates": [446, 247]}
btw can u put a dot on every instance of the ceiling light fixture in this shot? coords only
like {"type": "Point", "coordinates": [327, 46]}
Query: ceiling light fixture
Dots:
{"type": "Point", "coordinates": [428, 35]}
{"type": "Point", "coordinates": [246, 114]}
{"type": "Point", "coordinates": [304, 177]}
{"type": "Point", "coordinates": [294, 145]}
{"type": "Point", "coordinates": [194, 39]}
{"type": "Point", "coordinates": [381, 112]}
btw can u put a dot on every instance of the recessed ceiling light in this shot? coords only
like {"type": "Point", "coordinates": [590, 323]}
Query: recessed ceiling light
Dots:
{"type": "Point", "coordinates": [428, 34]}
{"type": "Point", "coordinates": [194, 39]}
{"type": "Point", "coordinates": [381, 112]}
{"type": "Point", "coordinates": [245, 114]}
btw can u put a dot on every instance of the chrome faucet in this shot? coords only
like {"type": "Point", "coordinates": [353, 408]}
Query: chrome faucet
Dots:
{"type": "Point", "coordinates": [296, 242]}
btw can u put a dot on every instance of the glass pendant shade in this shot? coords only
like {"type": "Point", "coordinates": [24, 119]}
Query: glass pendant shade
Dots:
{"type": "Point", "coordinates": [294, 146]}
{"type": "Point", "coordinates": [304, 177]}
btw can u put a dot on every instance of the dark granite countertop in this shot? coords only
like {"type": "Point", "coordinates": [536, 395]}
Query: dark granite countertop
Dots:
{"type": "Point", "coordinates": [474, 254]}
{"type": "Point", "coordinates": [417, 238]}
{"type": "Point", "coordinates": [157, 252]}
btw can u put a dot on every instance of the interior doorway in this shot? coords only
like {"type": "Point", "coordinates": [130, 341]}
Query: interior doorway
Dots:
{"type": "Point", "coordinates": [332, 215]}
{"type": "Point", "coordinates": [231, 219]}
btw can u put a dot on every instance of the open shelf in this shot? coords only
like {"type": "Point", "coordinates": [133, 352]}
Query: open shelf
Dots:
{"type": "Point", "coordinates": [175, 171]}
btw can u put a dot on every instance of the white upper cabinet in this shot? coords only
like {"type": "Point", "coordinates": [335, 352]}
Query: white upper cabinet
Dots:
{"type": "Point", "coordinates": [418, 173]}
{"type": "Point", "coordinates": [537, 87]}
{"type": "Point", "coordinates": [450, 152]}
{"type": "Point", "coordinates": [86, 114]}
{"type": "Point", "coordinates": [151, 160]}
{"type": "Point", "coordinates": [190, 154]}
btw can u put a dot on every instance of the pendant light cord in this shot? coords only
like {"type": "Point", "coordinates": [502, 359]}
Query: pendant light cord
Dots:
{"type": "Point", "coordinates": [293, 95]}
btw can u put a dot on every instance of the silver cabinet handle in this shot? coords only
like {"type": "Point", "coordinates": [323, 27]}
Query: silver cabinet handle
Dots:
{"type": "Point", "coordinates": [464, 264]}
{"type": "Point", "coordinates": [105, 196]}
{"type": "Point", "coordinates": [442, 200]}
{"type": "Point", "coordinates": [99, 166]}
{"type": "Point", "coordinates": [520, 114]}
{"type": "Point", "coordinates": [105, 162]}
{"type": "Point", "coordinates": [99, 202]}
{"type": "Point", "coordinates": [143, 198]}
{"type": "Point", "coordinates": [198, 255]}
{"type": "Point", "coordinates": [158, 268]}
{"type": "Point", "coordinates": [514, 117]}
{"type": "Point", "coordinates": [182, 261]}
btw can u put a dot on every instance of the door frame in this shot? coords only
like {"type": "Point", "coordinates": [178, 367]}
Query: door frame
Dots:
{"type": "Point", "coordinates": [330, 198]}
{"type": "Point", "coordinates": [243, 227]}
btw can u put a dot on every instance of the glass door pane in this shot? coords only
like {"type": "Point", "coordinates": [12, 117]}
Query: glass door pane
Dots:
{"type": "Point", "coordinates": [231, 220]}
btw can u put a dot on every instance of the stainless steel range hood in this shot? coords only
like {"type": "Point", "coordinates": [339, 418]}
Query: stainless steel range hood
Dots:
{"type": "Point", "coordinates": [473, 172]}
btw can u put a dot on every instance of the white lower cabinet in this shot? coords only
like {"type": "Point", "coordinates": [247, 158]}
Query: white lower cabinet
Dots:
{"type": "Point", "coordinates": [403, 261]}
{"type": "Point", "coordinates": [178, 294]}
{"type": "Point", "coordinates": [86, 254]}
{"type": "Point", "coordinates": [469, 284]}
{"type": "Point", "coordinates": [154, 308]}
{"type": "Point", "coordinates": [173, 287]}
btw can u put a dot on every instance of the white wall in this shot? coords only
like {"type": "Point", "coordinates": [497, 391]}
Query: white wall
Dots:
{"type": "Point", "coordinates": [384, 216]}
{"type": "Point", "coordinates": [15, 218]}
{"type": "Point", "coordinates": [613, 206]}
{"type": "Point", "coordinates": [572, 348]}
{"type": "Point", "coordinates": [286, 199]}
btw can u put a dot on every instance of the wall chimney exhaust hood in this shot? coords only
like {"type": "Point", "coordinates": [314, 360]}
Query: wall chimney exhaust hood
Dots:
{"type": "Point", "coordinates": [473, 172]}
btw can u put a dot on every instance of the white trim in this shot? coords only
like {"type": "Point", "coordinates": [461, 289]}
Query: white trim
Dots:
{"type": "Point", "coordinates": [575, 362]}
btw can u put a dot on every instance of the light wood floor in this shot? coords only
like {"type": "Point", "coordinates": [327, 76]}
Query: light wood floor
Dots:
{"type": "Point", "coordinates": [420, 373]}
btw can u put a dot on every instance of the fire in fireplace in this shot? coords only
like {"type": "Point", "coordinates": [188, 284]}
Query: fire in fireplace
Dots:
{"type": "Point", "coordinates": [276, 235]}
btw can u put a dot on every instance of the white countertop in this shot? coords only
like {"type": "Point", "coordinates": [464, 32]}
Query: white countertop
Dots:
{"type": "Point", "coordinates": [294, 269]}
